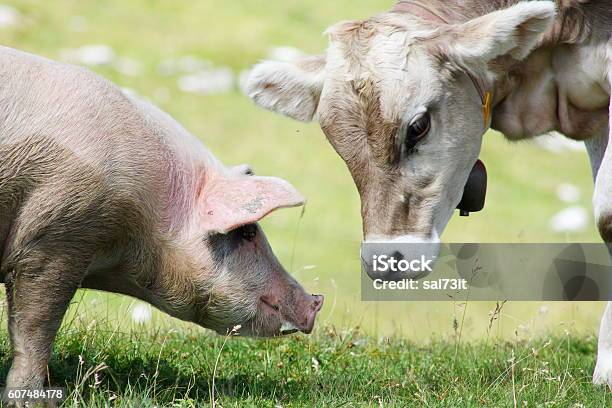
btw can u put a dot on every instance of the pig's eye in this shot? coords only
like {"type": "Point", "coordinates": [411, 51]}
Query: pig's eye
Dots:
{"type": "Point", "coordinates": [248, 232]}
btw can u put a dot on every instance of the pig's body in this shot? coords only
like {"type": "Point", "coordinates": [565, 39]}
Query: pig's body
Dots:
{"type": "Point", "coordinates": [103, 191]}
{"type": "Point", "coordinates": [91, 166]}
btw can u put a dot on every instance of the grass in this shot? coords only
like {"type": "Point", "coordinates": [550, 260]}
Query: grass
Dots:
{"type": "Point", "coordinates": [165, 363]}
{"type": "Point", "coordinates": [170, 363]}
{"type": "Point", "coordinates": [333, 368]}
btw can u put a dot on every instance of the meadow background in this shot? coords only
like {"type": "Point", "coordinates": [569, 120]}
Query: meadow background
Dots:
{"type": "Point", "coordinates": [188, 57]}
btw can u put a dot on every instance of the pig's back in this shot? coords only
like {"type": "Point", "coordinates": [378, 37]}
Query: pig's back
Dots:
{"type": "Point", "coordinates": [59, 120]}
{"type": "Point", "coordinates": [85, 114]}
{"type": "Point", "coordinates": [77, 109]}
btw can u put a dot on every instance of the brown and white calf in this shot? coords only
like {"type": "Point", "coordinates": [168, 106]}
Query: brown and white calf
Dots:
{"type": "Point", "coordinates": [101, 190]}
{"type": "Point", "coordinates": [406, 96]}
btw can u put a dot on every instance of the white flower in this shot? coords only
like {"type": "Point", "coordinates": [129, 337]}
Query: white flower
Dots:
{"type": "Point", "coordinates": [285, 54]}
{"type": "Point", "coordinates": [557, 143]}
{"type": "Point", "coordinates": [568, 193]}
{"type": "Point", "coordinates": [128, 66]}
{"type": "Point", "coordinates": [92, 55]}
{"type": "Point", "coordinates": [141, 313]}
{"type": "Point", "coordinates": [185, 64]}
{"type": "Point", "coordinates": [212, 81]}
{"type": "Point", "coordinates": [9, 16]}
{"type": "Point", "coordinates": [571, 219]}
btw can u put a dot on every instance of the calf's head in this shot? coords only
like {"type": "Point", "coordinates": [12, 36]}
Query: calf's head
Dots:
{"type": "Point", "coordinates": [398, 98]}
{"type": "Point", "coordinates": [238, 279]}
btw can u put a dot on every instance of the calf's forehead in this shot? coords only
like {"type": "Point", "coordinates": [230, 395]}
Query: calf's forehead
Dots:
{"type": "Point", "coordinates": [387, 65]}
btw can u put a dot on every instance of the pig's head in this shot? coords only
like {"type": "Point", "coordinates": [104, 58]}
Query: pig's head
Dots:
{"type": "Point", "coordinates": [239, 280]}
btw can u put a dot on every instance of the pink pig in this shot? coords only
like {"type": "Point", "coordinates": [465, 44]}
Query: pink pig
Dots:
{"type": "Point", "coordinates": [102, 190]}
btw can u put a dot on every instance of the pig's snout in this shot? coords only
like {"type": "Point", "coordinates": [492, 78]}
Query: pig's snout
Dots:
{"type": "Point", "coordinates": [311, 314]}
{"type": "Point", "coordinates": [298, 317]}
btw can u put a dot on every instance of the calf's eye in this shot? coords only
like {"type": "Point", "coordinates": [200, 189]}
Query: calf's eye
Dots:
{"type": "Point", "coordinates": [417, 130]}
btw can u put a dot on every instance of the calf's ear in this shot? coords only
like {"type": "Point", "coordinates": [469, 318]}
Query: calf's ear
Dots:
{"type": "Point", "coordinates": [512, 32]}
{"type": "Point", "coordinates": [229, 203]}
{"type": "Point", "coordinates": [290, 88]}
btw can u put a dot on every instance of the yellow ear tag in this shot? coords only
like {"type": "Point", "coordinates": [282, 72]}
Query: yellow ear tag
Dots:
{"type": "Point", "coordinates": [486, 109]}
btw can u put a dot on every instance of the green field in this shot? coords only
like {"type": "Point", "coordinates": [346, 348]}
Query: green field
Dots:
{"type": "Point", "coordinates": [321, 247]}
{"type": "Point", "coordinates": [334, 368]}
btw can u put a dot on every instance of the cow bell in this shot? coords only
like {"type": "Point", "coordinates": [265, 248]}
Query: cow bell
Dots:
{"type": "Point", "coordinates": [475, 190]}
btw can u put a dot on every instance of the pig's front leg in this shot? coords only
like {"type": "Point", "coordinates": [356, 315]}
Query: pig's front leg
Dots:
{"type": "Point", "coordinates": [39, 289]}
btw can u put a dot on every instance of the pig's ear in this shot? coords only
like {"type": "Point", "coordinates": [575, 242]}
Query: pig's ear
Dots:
{"type": "Point", "coordinates": [229, 203]}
